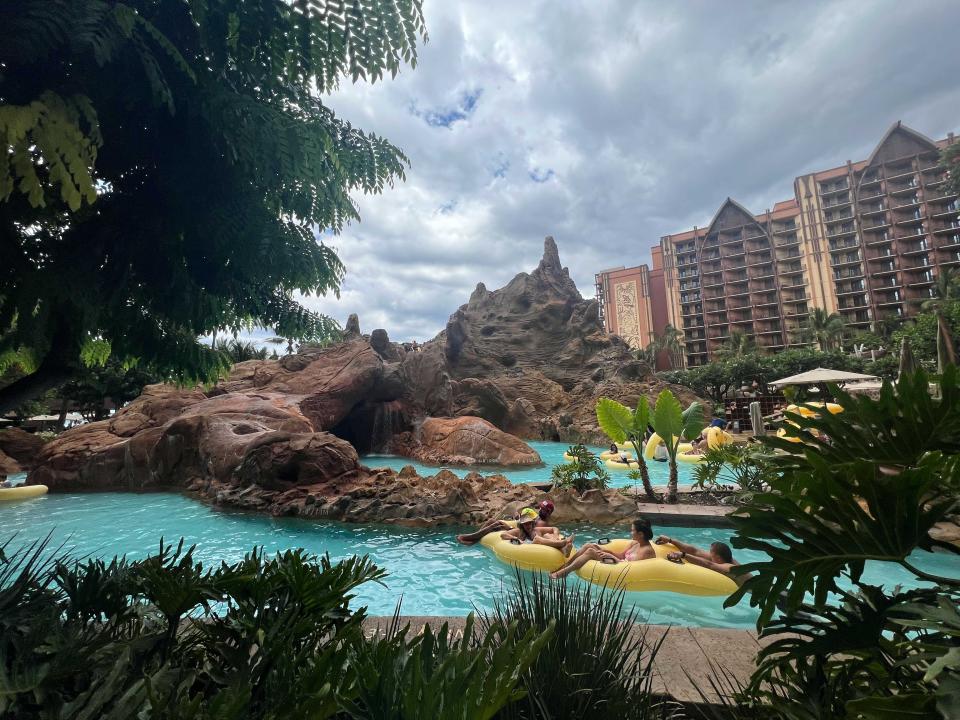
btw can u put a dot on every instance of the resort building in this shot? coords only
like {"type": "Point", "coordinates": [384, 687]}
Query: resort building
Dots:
{"type": "Point", "coordinates": [864, 239]}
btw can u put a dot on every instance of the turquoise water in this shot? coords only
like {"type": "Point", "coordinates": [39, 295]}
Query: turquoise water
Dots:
{"type": "Point", "coordinates": [428, 570]}
{"type": "Point", "coordinates": [550, 452]}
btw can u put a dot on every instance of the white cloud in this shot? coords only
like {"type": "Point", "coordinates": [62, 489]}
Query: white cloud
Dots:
{"type": "Point", "coordinates": [609, 124]}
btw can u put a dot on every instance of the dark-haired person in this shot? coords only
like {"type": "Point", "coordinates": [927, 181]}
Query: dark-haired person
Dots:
{"type": "Point", "coordinates": [544, 510]}
{"type": "Point", "coordinates": [718, 558]}
{"type": "Point", "coordinates": [527, 531]}
{"type": "Point", "coordinates": [640, 549]}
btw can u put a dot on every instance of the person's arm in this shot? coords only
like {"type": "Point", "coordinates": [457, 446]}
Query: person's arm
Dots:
{"type": "Point", "coordinates": [616, 555]}
{"type": "Point", "coordinates": [723, 568]}
{"type": "Point", "coordinates": [513, 534]}
{"type": "Point", "coordinates": [683, 547]}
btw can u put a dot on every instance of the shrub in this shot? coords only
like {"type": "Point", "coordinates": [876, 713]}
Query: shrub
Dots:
{"type": "Point", "coordinates": [596, 663]}
{"type": "Point", "coordinates": [262, 638]}
{"type": "Point", "coordinates": [584, 472]}
{"type": "Point", "coordinates": [746, 465]}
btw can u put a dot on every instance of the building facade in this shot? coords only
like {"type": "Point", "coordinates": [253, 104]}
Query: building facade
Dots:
{"type": "Point", "coordinates": [865, 240]}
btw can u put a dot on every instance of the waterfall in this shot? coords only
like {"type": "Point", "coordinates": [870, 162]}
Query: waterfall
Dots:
{"type": "Point", "coordinates": [387, 422]}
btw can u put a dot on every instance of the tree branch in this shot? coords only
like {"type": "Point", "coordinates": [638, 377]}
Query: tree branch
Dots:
{"type": "Point", "coordinates": [27, 388]}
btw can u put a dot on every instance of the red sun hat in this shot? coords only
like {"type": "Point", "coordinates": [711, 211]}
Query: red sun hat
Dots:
{"type": "Point", "coordinates": [546, 506]}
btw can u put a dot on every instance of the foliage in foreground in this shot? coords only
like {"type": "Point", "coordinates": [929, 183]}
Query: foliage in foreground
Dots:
{"type": "Point", "coordinates": [584, 472]}
{"type": "Point", "coordinates": [598, 662]}
{"type": "Point", "coordinates": [844, 648]}
{"type": "Point", "coordinates": [165, 637]}
{"type": "Point", "coordinates": [166, 166]}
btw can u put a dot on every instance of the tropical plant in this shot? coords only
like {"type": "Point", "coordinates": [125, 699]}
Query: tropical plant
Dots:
{"type": "Point", "coordinates": [434, 676]}
{"type": "Point", "coordinates": [265, 637]}
{"type": "Point", "coordinates": [747, 466]}
{"type": "Point", "coordinates": [240, 351]}
{"type": "Point", "coordinates": [674, 424]}
{"type": "Point", "coordinates": [167, 166]}
{"type": "Point", "coordinates": [597, 662]}
{"type": "Point", "coordinates": [584, 472]}
{"type": "Point", "coordinates": [737, 345]}
{"type": "Point", "coordinates": [946, 291]}
{"type": "Point", "coordinates": [864, 485]}
{"type": "Point", "coordinates": [670, 342]}
{"type": "Point", "coordinates": [621, 425]}
{"type": "Point", "coordinates": [950, 162]}
{"type": "Point", "coordinates": [827, 328]}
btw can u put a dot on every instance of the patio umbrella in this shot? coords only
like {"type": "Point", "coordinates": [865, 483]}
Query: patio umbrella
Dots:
{"type": "Point", "coordinates": [908, 363]}
{"type": "Point", "coordinates": [818, 376]}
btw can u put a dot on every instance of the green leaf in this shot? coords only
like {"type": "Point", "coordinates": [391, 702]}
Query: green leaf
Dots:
{"type": "Point", "coordinates": [895, 707]}
{"type": "Point", "coordinates": [614, 419]}
{"type": "Point", "coordinates": [668, 418]}
{"type": "Point", "coordinates": [693, 422]}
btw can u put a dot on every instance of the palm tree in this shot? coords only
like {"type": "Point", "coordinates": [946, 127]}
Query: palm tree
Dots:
{"type": "Point", "coordinates": [946, 289]}
{"type": "Point", "coordinates": [738, 344]}
{"type": "Point", "coordinates": [281, 341]}
{"type": "Point", "coordinates": [668, 341]}
{"type": "Point", "coordinates": [239, 351]}
{"type": "Point", "coordinates": [826, 327]}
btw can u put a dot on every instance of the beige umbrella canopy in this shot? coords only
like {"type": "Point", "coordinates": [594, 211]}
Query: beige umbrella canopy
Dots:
{"type": "Point", "coordinates": [822, 375]}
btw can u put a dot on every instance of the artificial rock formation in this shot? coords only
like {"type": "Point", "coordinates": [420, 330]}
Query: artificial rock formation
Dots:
{"type": "Point", "coordinates": [18, 450]}
{"type": "Point", "coordinates": [463, 441]}
{"type": "Point", "coordinates": [284, 436]}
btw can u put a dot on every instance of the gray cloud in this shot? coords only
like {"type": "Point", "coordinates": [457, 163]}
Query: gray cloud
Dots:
{"type": "Point", "coordinates": [609, 124]}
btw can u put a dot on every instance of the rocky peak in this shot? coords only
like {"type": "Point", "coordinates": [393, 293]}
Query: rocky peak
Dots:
{"type": "Point", "coordinates": [352, 328]}
{"type": "Point", "coordinates": [552, 274]}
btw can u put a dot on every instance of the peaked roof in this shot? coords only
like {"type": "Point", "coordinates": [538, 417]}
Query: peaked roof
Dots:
{"type": "Point", "coordinates": [911, 137]}
{"type": "Point", "coordinates": [731, 210]}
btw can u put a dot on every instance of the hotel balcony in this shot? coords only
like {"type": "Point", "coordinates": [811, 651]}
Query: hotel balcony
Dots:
{"type": "Point", "coordinates": [875, 223]}
{"type": "Point", "coordinates": [908, 203]}
{"type": "Point", "coordinates": [946, 226]}
{"type": "Point", "coordinates": [916, 247]}
{"type": "Point", "coordinates": [848, 273]}
{"type": "Point", "coordinates": [839, 231]}
{"type": "Point", "coordinates": [785, 228]}
{"type": "Point", "coordinates": [945, 242]}
{"type": "Point", "coordinates": [873, 208]}
{"type": "Point", "coordinates": [843, 244]}
{"type": "Point", "coordinates": [787, 240]}
{"type": "Point", "coordinates": [945, 211]}
{"type": "Point", "coordinates": [851, 259]}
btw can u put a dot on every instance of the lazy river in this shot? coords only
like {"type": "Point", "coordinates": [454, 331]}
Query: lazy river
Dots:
{"type": "Point", "coordinates": [551, 453]}
{"type": "Point", "coordinates": [427, 568]}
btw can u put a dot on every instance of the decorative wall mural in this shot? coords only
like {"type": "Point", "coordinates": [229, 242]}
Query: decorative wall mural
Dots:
{"type": "Point", "coordinates": [628, 314]}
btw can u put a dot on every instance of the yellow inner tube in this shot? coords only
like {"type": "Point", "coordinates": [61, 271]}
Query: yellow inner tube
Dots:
{"type": "Point", "coordinates": [651, 447]}
{"type": "Point", "coordinates": [806, 412]}
{"type": "Point", "coordinates": [684, 457]}
{"type": "Point", "coordinates": [22, 492]}
{"type": "Point", "coordinates": [617, 465]}
{"type": "Point", "coordinates": [659, 574]}
{"type": "Point", "coordinates": [717, 436]}
{"type": "Point", "coordinates": [526, 556]}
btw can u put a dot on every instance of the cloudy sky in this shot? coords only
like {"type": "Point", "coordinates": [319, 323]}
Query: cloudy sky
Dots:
{"type": "Point", "coordinates": [608, 124]}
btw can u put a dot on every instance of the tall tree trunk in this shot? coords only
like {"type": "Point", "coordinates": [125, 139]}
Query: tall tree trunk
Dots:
{"type": "Point", "coordinates": [644, 472]}
{"type": "Point", "coordinates": [672, 483]}
{"type": "Point", "coordinates": [62, 419]}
